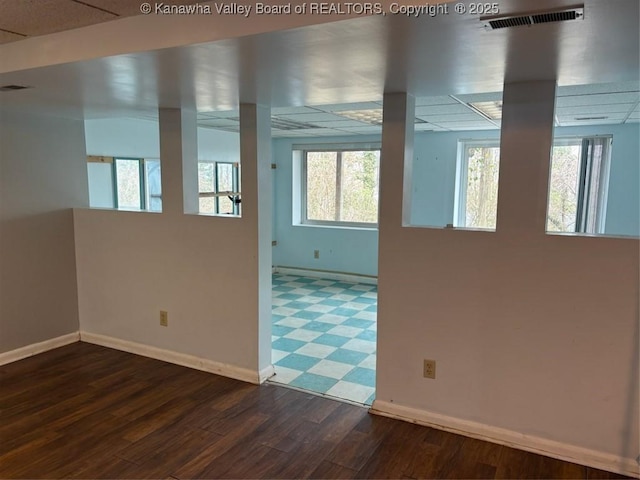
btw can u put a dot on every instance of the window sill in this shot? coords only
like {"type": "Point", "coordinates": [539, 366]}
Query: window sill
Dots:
{"type": "Point", "coordinates": [337, 227]}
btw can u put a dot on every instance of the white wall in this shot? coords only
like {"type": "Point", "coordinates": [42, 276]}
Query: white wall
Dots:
{"type": "Point", "coordinates": [201, 269]}
{"type": "Point", "coordinates": [137, 138]}
{"type": "Point", "coordinates": [43, 175]}
{"type": "Point", "coordinates": [532, 333]}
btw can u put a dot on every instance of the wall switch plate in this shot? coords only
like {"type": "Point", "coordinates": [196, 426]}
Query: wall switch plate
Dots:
{"type": "Point", "coordinates": [316, 254]}
{"type": "Point", "coordinates": [164, 318]}
{"type": "Point", "coordinates": [429, 369]}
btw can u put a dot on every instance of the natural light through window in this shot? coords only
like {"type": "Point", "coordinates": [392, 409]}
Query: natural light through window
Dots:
{"type": "Point", "coordinates": [219, 188]}
{"type": "Point", "coordinates": [478, 186]}
{"type": "Point", "coordinates": [578, 185]}
{"type": "Point", "coordinates": [341, 187]}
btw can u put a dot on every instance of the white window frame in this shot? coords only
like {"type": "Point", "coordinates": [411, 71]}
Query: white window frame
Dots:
{"type": "Point", "coordinates": [145, 194]}
{"type": "Point", "coordinates": [216, 193]}
{"type": "Point", "coordinates": [462, 172]}
{"type": "Point", "coordinates": [462, 177]}
{"type": "Point", "coordinates": [304, 220]}
{"type": "Point", "coordinates": [603, 193]}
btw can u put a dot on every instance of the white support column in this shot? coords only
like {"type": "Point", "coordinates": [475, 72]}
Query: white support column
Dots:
{"type": "Point", "coordinates": [396, 160]}
{"type": "Point", "coordinates": [256, 184]}
{"type": "Point", "coordinates": [179, 160]}
{"type": "Point", "coordinates": [525, 155]}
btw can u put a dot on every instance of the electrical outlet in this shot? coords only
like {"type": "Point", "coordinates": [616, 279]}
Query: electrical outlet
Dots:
{"type": "Point", "coordinates": [164, 318]}
{"type": "Point", "coordinates": [316, 254]}
{"type": "Point", "coordinates": [429, 370]}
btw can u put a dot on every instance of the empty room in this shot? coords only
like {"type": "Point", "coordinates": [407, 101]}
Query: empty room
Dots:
{"type": "Point", "coordinates": [323, 240]}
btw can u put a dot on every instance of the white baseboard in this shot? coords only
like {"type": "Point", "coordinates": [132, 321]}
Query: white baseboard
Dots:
{"type": "Point", "coordinates": [197, 363]}
{"type": "Point", "coordinates": [36, 348]}
{"type": "Point", "coordinates": [327, 274]}
{"type": "Point", "coordinates": [529, 443]}
{"type": "Point", "coordinates": [267, 373]}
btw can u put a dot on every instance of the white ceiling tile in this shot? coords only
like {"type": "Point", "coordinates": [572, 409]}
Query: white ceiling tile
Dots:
{"type": "Point", "coordinates": [575, 123]}
{"type": "Point", "coordinates": [483, 125]}
{"type": "Point", "coordinates": [342, 107]}
{"type": "Point", "coordinates": [292, 110]}
{"type": "Point", "coordinates": [218, 122]}
{"type": "Point", "coordinates": [38, 17]}
{"type": "Point", "coordinates": [423, 127]}
{"type": "Point", "coordinates": [310, 117]}
{"type": "Point", "coordinates": [598, 88]}
{"type": "Point", "coordinates": [481, 97]}
{"type": "Point", "coordinates": [313, 132]}
{"type": "Point", "coordinates": [441, 109]}
{"type": "Point", "coordinates": [219, 114]}
{"type": "Point", "coordinates": [457, 117]}
{"type": "Point", "coordinates": [597, 99]}
{"type": "Point", "coordinates": [594, 110]}
{"type": "Point", "coordinates": [608, 116]}
{"type": "Point", "coordinates": [423, 101]}
{"type": "Point", "coordinates": [340, 124]}
{"type": "Point", "coordinates": [365, 129]}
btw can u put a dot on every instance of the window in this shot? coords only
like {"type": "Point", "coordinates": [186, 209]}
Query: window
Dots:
{"type": "Point", "coordinates": [578, 185]}
{"type": "Point", "coordinates": [125, 183]}
{"type": "Point", "coordinates": [340, 187]}
{"type": "Point", "coordinates": [219, 188]}
{"type": "Point", "coordinates": [477, 187]}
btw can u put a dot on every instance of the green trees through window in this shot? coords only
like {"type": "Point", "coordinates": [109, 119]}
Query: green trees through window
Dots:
{"type": "Point", "coordinates": [578, 184]}
{"type": "Point", "coordinates": [342, 186]}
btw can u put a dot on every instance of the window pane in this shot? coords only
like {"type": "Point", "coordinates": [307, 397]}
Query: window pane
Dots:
{"type": "Point", "coordinates": [482, 187]}
{"type": "Point", "coordinates": [360, 186]}
{"type": "Point", "coordinates": [563, 188]}
{"type": "Point", "coordinates": [154, 185]}
{"type": "Point", "coordinates": [225, 177]}
{"type": "Point", "coordinates": [226, 206]}
{"type": "Point", "coordinates": [321, 185]}
{"type": "Point", "coordinates": [206, 184]}
{"type": "Point", "coordinates": [128, 183]}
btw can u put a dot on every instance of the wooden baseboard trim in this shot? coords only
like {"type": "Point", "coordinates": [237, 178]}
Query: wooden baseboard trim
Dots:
{"type": "Point", "coordinates": [36, 348]}
{"type": "Point", "coordinates": [529, 443]}
{"type": "Point", "coordinates": [190, 361]}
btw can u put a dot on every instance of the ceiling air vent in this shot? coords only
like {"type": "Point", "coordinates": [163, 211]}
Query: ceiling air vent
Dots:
{"type": "Point", "coordinates": [285, 124]}
{"type": "Point", "coordinates": [591, 118]}
{"type": "Point", "coordinates": [533, 18]}
{"type": "Point", "coordinates": [11, 88]}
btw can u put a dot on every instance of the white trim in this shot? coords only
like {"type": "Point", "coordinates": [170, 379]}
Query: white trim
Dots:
{"type": "Point", "coordinates": [197, 363]}
{"type": "Point", "coordinates": [326, 274]}
{"type": "Point", "coordinates": [510, 438]}
{"type": "Point", "coordinates": [36, 348]}
{"type": "Point", "coordinates": [266, 373]}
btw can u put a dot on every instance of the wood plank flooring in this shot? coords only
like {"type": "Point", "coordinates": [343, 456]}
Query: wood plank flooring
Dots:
{"type": "Point", "coordinates": [84, 411]}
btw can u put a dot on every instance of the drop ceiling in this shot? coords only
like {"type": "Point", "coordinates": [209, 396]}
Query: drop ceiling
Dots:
{"type": "Point", "coordinates": [328, 79]}
{"type": "Point", "coordinates": [603, 104]}
{"type": "Point", "coordinates": [22, 19]}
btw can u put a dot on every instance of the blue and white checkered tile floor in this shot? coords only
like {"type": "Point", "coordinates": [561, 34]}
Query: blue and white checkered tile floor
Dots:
{"type": "Point", "coordinates": [324, 336]}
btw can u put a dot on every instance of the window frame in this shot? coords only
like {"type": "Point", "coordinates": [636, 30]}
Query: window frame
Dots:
{"type": "Point", "coordinates": [304, 220]}
{"type": "Point", "coordinates": [462, 176]}
{"type": "Point", "coordinates": [144, 193]}
{"type": "Point", "coordinates": [462, 181]}
{"type": "Point", "coordinates": [584, 184]}
{"type": "Point", "coordinates": [236, 192]}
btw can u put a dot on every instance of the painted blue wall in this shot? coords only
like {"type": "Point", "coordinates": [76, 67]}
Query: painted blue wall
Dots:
{"type": "Point", "coordinates": [433, 191]}
{"type": "Point", "coordinates": [341, 249]}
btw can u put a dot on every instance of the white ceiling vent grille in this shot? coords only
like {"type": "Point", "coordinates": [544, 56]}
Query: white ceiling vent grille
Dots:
{"type": "Point", "coordinates": [534, 18]}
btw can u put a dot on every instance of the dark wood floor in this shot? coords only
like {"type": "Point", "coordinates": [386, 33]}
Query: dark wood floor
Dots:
{"type": "Point", "coordinates": [84, 411]}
